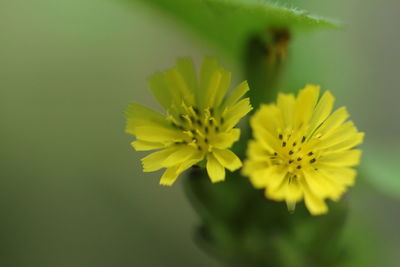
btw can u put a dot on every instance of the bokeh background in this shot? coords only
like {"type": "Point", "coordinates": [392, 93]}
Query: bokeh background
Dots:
{"type": "Point", "coordinates": [72, 192]}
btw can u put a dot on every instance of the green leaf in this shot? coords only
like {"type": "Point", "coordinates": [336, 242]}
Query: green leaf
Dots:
{"type": "Point", "coordinates": [382, 169]}
{"type": "Point", "coordinates": [231, 24]}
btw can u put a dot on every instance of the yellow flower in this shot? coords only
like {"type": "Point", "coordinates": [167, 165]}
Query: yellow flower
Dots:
{"type": "Point", "coordinates": [301, 150]}
{"type": "Point", "coordinates": [199, 124]}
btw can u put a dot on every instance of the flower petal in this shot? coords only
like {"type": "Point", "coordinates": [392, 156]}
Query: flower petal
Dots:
{"type": "Point", "coordinates": [215, 170]}
{"type": "Point", "coordinates": [236, 112]}
{"type": "Point", "coordinates": [139, 115]}
{"type": "Point", "coordinates": [182, 153]}
{"type": "Point", "coordinates": [322, 111]}
{"type": "Point", "coordinates": [169, 176]}
{"type": "Point", "coordinates": [286, 103]}
{"type": "Point", "coordinates": [225, 139]}
{"type": "Point", "coordinates": [153, 161]}
{"type": "Point", "coordinates": [236, 94]}
{"type": "Point", "coordinates": [140, 145]}
{"type": "Point", "coordinates": [227, 158]}
{"type": "Point", "coordinates": [346, 158]}
{"type": "Point", "coordinates": [305, 104]}
{"type": "Point", "coordinates": [160, 89]}
{"type": "Point", "coordinates": [314, 204]}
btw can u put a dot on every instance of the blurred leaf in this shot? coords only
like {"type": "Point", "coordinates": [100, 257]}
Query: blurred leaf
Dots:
{"type": "Point", "coordinates": [382, 169]}
{"type": "Point", "coordinates": [231, 24]}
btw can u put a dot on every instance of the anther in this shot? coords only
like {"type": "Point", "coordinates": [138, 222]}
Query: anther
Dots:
{"type": "Point", "coordinates": [299, 159]}
{"type": "Point", "coordinates": [205, 140]}
{"type": "Point", "coordinates": [199, 122]}
{"type": "Point", "coordinates": [294, 144]}
{"type": "Point", "coordinates": [313, 160]}
{"type": "Point", "coordinates": [210, 121]}
{"type": "Point", "coordinates": [196, 110]}
{"type": "Point", "coordinates": [310, 153]}
{"type": "Point", "coordinates": [291, 152]}
{"type": "Point", "coordinates": [275, 154]}
{"type": "Point", "coordinates": [217, 129]}
{"type": "Point", "coordinates": [299, 167]}
{"type": "Point", "coordinates": [291, 161]}
{"type": "Point", "coordinates": [211, 111]}
{"type": "Point", "coordinates": [206, 129]}
{"type": "Point", "coordinates": [284, 144]}
{"type": "Point", "coordinates": [303, 139]}
{"type": "Point", "coordinates": [280, 136]}
{"type": "Point", "coordinates": [222, 120]}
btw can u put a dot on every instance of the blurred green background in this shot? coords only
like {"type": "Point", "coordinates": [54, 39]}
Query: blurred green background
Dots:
{"type": "Point", "coordinates": [72, 189]}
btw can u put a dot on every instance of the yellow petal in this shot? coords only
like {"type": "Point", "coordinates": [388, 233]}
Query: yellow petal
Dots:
{"type": "Point", "coordinates": [321, 185]}
{"type": "Point", "coordinates": [236, 94]}
{"type": "Point", "coordinates": [344, 176]}
{"type": "Point", "coordinates": [351, 142]}
{"type": "Point", "coordinates": [186, 67]}
{"type": "Point", "coordinates": [275, 178]}
{"type": "Point", "coordinates": [294, 191]}
{"type": "Point", "coordinates": [315, 205]}
{"type": "Point", "coordinates": [227, 158]}
{"type": "Point", "coordinates": [263, 177]}
{"type": "Point", "coordinates": [172, 173]}
{"type": "Point", "coordinates": [286, 103]}
{"type": "Point", "coordinates": [215, 170]}
{"type": "Point", "coordinates": [178, 87]}
{"type": "Point", "coordinates": [158, 134]}
{"type": "Point", "coordinates": [289, 190]}
{"type": "Point", "coordinates": [333, 121]}
{"type": "Point", "coordinates": [322, 110]}
{"type": "Point", "coordinates": [160, 89]}
{"type": "Point", "coordinates": [305, 104]}
{"type": "Point", "coordinates": [342, 133]}
{"type": "Point", "coordinates": [257, 152]}
{"type": "Point", "coordinates": [225, 139]}
{"type": "Point", "coordinates": [251, 167]}
{"type": "Point", "coordinates": [236, 112]}
{"type": "Point", "coordinates": [212, 87]}
{"type": "Point", "coordinates": [153, 161]}
{"type": "Point", "coordinates": [182, 153]}
{"type": "Point", "coordinates": [346, 158]}
{"type": "Point", "coordinates": [270, 118]}
{"type": "Point", "coordinates": [266, 140]}
{"type": "Point", "coordinates": [140, 145]}
{"type": "Point", "coordinates": [208, 67]}
{"type": "Point", "coordinates": [194, 159]}
{"type": "Point", "coordinates": [169, 176]}
{"type": "Point", "coordinates": [223, 87]}
{"type": "Point", "coordinates": [138, 115]}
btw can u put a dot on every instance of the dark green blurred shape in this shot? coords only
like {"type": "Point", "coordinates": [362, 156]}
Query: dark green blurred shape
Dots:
{"type": "Point", "coordinates": [242, 228]}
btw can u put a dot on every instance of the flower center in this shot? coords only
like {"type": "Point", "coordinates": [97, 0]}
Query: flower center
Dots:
{"type": "Point", "coordinates": [199, 126]}
{"type": "Point", "coordinates": [294, 152]}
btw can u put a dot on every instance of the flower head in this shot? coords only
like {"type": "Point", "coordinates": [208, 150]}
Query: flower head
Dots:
{"type": "Point", "coordinates": [198, 124]}
{"type": "Point", "coordinates": [301, 150]}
